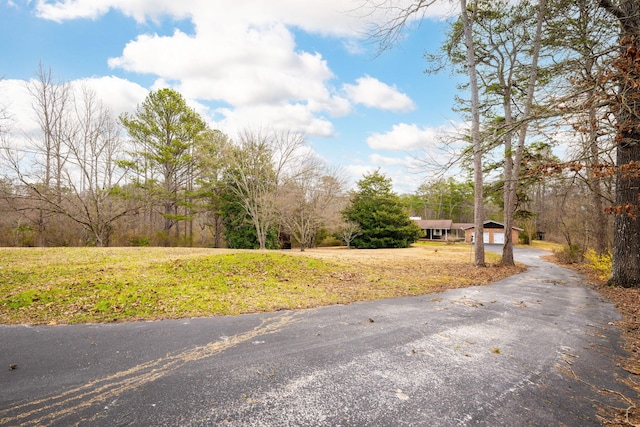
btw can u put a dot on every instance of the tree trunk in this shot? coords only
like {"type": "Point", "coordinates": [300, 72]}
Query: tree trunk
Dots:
{"type": "Point", "coordinates": [478, 199]}
{"type": "Point", "coordinates": [217, 236]}
{"type": "Point", "coordinates": [41, 228]}
{"type": "Point", "coordinates": [511, 198]}
{"type": "Point", "coordinates": [510, 183]}
{"type": "Point", "coordinates": [626, 238]}
{"type": "Point", "coordinates": [599, 224]}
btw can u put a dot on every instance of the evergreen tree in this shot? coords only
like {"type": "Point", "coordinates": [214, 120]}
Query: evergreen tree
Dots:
{"type": "Point", "coordinates": [380, 214]}
{"type": "Point", "coordinates": [165, 129]}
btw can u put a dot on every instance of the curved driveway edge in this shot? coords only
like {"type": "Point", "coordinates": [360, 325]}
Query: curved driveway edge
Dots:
{"type": "Point", "coordinates": [534, 349]}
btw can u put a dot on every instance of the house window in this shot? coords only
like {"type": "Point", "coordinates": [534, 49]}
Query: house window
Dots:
{"type": "Point", "coordinates": [437, 232]}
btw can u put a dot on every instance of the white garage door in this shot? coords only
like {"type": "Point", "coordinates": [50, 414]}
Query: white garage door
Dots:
{"type": "Point", "coordinates": [498, 237]}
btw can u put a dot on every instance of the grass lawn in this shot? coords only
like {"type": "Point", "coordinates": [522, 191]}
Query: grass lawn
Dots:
{"type": "Point", "coordinates": [76, 285]}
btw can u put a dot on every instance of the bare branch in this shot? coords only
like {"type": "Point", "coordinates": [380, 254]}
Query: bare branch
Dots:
{"type": "Point", "coordinates": [396, 15]}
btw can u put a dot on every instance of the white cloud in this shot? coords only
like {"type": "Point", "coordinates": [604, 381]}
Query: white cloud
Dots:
{"type": "Point", "coordinates": [354, 46]}
{"type": "Point", "coordinates": [356, 172]}
{"type": "Point", "coordinates": [377, 159]}
{"type": "Point", "coordinates": [245, 67]}
{"type": "Point", "coordinates": [241, 51]}
{"type": "Point", "coordinates": [328, 17]}
{"type": "Point", "coordinates": [243, 55]}
{"type": "Point", "coordinates": [406, 137]}
{"type": "Point", "coordinates": [120, 95]}
{"type": "Point", "coordinates": [62, 11]}
{"type": "Point", "coordinates": [373, 93]}
{"type": "Point", "coordinates": [285, 117]}
{"type": "Point", "coordinates": [15, 98]}
{"type": "Point", "coordinates": [140, 10]}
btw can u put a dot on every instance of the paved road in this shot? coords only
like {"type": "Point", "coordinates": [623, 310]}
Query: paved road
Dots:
{"type": "Point", "coordinates": [537, 349]}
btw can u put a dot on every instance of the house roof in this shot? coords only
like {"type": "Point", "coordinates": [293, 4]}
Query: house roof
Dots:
{"type": "Point", "coordinates": [490, 224]}
{"type": "Point", "coordinates": [447, 224]}
{"type": "Point", "coordinates": [461, 225]}
{"type": "Point", "coordinates": [435, 224]}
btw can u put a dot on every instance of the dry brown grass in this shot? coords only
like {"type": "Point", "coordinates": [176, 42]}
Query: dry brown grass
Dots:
{"type": "Point", "coordinates": [411, 271]}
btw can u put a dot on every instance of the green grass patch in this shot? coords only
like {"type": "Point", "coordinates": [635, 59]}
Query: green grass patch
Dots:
{"type": "Point", "coordinates": [74, 285]}
{"type": "Point", "coordinates": [77, 285]}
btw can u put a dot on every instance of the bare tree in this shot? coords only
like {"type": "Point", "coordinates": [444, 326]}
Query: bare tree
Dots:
{"type": "Point", "coordinates": [256, 166]}
{"type": "Point", "coordinates": [587, 34]}
{"type": "Point", "coordinates": [76, 175]}
{"type": "Point", "coordinates": [50, 105]}
{"type": "Point", "coordinates": [305, 199]}
{"type": "Point", "coordinates": [93, 153]}
{"type": "Point", "coordinates": [349, 231]}
{"type": "Point", "coordinates": [41, 159]}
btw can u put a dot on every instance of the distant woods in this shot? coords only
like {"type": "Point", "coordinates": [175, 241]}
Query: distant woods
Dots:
{"type": "Point", "coordinates": [157, 176]}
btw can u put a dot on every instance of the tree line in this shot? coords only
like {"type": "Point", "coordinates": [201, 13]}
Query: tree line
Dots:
{"type": "Point", "coordinates": [174, 181]}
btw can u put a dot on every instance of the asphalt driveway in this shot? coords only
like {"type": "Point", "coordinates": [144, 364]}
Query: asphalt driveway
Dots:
{"type": "Point", "coordinates": [535, 349]}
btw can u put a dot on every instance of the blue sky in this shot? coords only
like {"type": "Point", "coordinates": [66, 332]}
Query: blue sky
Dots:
{"type": "Point", "coordinates": [284, 64]}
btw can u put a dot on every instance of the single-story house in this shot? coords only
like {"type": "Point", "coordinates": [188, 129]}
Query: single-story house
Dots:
{"type": "Point", "coordinates": [441, 229]}
{"type": "Point", "coordinates": [493, 232]}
